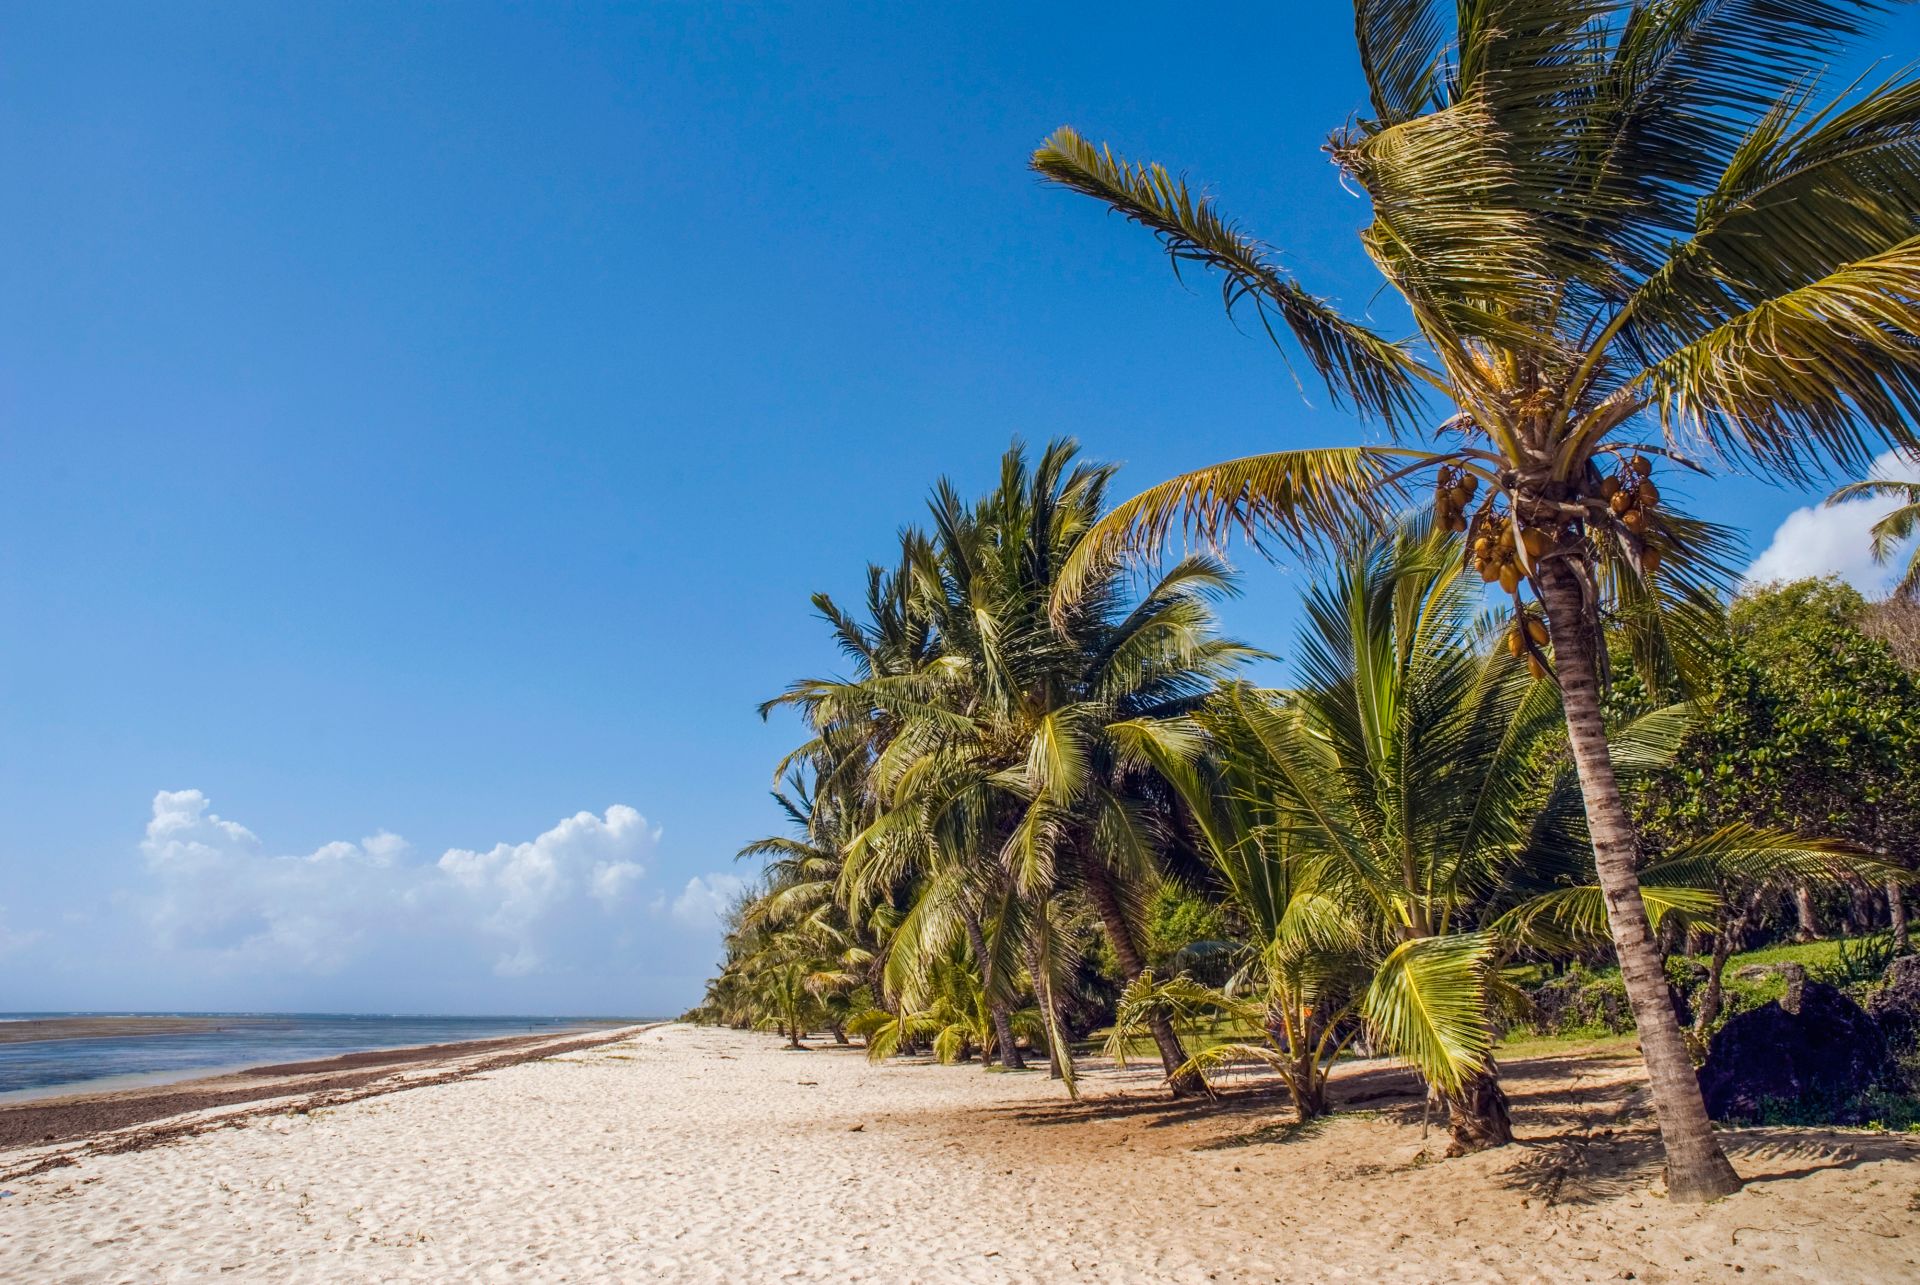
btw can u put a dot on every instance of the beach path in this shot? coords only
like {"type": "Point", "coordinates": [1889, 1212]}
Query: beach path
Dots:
{"type": "Point", "coordinates": [683, 1154]}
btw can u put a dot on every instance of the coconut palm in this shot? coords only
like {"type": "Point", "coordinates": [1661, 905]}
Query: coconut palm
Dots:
{"type": "Point", "coordinates": [1403, 781]}
{"type": "Point", "coordinates": [1004, 769]}
{"type": "Point", "coordinates": [1893, 530]}
{"type": "Point", "coordinates": [950, 1014]}
{"type": "Point", "coordinates": [1622, 230]}
{"type": "Point", "coordinates": [1301, 966]}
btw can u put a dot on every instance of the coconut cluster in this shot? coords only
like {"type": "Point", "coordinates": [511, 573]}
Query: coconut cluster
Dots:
{"type": "Point", "coordinates": [1528, 629]}
{"type": "Point", "coordinates": [1453, 491]}
{"type": "Point", "coordinates": [1496, 545]}
{"type": "Point", "coordinates": [1631, 494]}
{"type": "Point", "coordinates": [1631, 497]}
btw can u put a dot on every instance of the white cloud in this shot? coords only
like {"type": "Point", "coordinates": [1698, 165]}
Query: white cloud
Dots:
{"type": "Point", "coordinates": [611, 879]}
{"type": "Point", "coordinates": [706, 898]}
{"type": "Point", "coordinates": [218, 891]}
{"type": "Point", "coordinates": [1822, 541]}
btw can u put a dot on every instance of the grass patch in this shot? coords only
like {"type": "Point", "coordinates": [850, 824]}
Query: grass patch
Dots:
{"type": "Point", "coordinates": [1576, 1044]}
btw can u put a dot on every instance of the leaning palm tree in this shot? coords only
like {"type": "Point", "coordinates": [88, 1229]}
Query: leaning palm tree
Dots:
{"type": "Point", "coordinates": [1896, 528]}
{"type": "Point", "coordinates": [1622, 229]}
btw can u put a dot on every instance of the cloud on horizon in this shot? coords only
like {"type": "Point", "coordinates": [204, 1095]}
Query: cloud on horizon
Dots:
{"type": "Point", "coordinates": [706, 898]}
{"type": "Point", "coordinates": [1818, 540]}
{"type": "Point", "coordinates": [566, 901]}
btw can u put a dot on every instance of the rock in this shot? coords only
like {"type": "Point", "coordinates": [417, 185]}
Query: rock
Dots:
{"type": "Point", "coordinates": [1753, 972]}
{"type": "Point", "coordinates": [1808, 1058]}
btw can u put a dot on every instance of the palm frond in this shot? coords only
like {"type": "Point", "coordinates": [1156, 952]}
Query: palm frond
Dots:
{"type": "Point", "coordinates": [1377, 377]}
{"type": "Point", "coordinates": [1428, 1004]}
{"type": "Point", "coordinates": [1303, 498]}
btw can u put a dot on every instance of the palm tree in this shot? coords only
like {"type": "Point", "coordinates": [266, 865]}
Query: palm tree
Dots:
{"type": "Point", "coordinates": [1894, 529]}
{"type": "Point", "coordinates": [1300, 969]}
{"type": "Point", "coordinates": [1622, 229]}
{"type": "Point", "coordinates": [1005, 766]}
{"type": "Point", "coordinates": [1403, 776]}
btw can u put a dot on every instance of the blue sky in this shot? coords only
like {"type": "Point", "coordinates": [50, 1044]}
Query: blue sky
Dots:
{"type": "Point", "coordinates": [422, 427]}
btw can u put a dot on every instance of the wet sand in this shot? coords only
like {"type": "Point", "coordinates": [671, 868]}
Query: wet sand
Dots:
{"type": "Point", "coordinates": [40, 1122]}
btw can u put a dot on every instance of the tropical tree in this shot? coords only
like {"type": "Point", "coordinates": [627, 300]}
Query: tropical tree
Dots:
{"type": "Point", "coordinates": [1300, 966]}
{"type": "Point", "coordinates": [1622, 230]}
{"type": "Point", "coordinates": [1896, 528]}
{"type": "Point", "coordinates": [1810, 725]}
{"type": "Point", "coordinates": [1005, 776]}
{"type": "Point", "coordinates": [949, 1013]}
{"type": "Point", "coordinates": [1404, 775]}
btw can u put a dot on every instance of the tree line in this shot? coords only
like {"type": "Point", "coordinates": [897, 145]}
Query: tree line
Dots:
{"type": "Point", "coordinates": [1621, 232]}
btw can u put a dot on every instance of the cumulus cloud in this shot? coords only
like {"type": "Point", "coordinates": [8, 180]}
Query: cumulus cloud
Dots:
{"type": "Point", "coordinates": [1822, 541]}
{"type": "Point", "coordinates": [218, 890]}
{"type": "Point", "coordinates": [706, 898]}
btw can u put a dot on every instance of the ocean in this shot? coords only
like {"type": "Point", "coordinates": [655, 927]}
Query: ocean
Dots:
{"type": "Point", "coordinates": [209, 1043]}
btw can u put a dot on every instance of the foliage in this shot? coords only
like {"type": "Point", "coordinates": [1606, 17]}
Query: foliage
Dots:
{"type": "Point", "coordinates": [1621, 230]}
{"type": "Point", "coordinates": [1808, 724]}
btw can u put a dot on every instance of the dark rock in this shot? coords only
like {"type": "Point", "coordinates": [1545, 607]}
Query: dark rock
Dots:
{"type": "Point", "coordinates": [1806, 1058]}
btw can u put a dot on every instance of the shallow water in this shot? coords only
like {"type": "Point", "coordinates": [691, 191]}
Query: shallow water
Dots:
{"type": "Point", "coordinates": [36, 1068]}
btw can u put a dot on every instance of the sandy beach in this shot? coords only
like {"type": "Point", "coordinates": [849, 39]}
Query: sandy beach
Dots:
{"type": "Point", "coordinates": [678, 1153]}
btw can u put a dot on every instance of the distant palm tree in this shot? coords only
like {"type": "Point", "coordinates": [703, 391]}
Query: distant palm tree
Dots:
{"type": "Point", "coordinates": [1006, 766]}
{"type": "Point", "coordinates": [1891, 531]}
{"type": "Point", "coordinates": [1599, 214]}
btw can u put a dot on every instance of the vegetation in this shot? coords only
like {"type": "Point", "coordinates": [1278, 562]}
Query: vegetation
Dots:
{"type": "Point", "coordinates": [1047, 799]}
{"type": "Point", "coordinates": [1621, 231]}
{"type": "Point", "coordinates": [1008, 833]}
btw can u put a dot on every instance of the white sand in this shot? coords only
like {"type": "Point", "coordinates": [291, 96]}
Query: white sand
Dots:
{"type": "Point", "coordinates": [698, 1155]}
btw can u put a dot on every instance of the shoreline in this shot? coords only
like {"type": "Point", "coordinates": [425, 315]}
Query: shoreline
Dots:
{"type": "Point", "coordinates": [92, 1118]}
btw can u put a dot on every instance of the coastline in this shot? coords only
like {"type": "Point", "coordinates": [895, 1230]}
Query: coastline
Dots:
{"type": "Point", "coordinates": [94, 1118]}
{"type": "Point", "coordinates": [683, 1153]}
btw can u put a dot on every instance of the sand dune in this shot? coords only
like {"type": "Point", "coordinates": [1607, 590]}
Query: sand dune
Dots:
{"type": "Point", "coordinates": [699, 1155]}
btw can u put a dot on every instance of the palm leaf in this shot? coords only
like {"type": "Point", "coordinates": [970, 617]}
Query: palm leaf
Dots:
{"type": "Point", "coordinates": [1428, 1004]}
{"type": "Point", "coordinates": [1358, 366]}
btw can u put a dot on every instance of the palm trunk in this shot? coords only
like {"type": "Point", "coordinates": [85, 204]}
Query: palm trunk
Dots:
{"type": "Point", "coordinates": [1059, 1056]}
{"type": "Point", "coordinates": [1697, 1170]}
{"type": "Point", "coordinates": [1862, 908]}
{"type": "Point", "coordinates": [1477, 1114]}
{"type": "Point", "coordinates": [1897, 917]}
{"type": "Point", "coordinates": [839, 1034]}
{"type": "Point", "coordinates": [996, 1008]}
{"type": "Point", "coordinates": [1304, 1083]}
{"type": "Point", "coordinates": [1100, 890]}
{"type": "Point", "coordinates": [1010, 1055]}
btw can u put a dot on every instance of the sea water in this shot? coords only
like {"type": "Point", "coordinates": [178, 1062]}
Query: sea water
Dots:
{"type": "Point", "coordinates": [229, 1041]}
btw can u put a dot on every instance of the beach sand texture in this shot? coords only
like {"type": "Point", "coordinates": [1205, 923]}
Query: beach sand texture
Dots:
{"type": "Point", "coordinates": [684, 1154]}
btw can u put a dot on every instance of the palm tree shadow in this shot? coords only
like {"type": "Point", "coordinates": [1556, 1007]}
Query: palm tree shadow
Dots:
{"type": "Point", "coordinates": [1577, 1169]}
{"type": "Point", "coordinates": [1246, 1095]}
{"type": "Point", "coordinates": [1591, 1168]}
{"type": "Point", "coordinates": [1816, 1151]}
